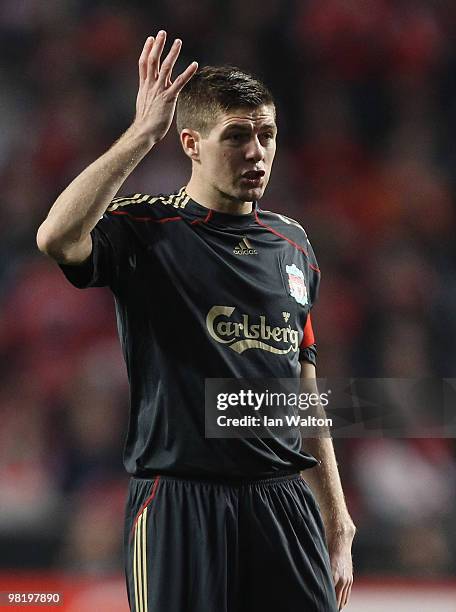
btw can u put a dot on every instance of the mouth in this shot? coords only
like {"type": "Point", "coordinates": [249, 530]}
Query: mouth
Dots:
{"type": "Point", "coordinates": [253, 177]}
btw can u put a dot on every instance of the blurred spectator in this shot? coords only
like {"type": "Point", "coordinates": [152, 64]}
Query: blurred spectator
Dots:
{"type": "Point", "coordinates": [92, 542]}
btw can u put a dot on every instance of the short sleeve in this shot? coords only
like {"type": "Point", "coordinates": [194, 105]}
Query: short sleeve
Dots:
{"type": "Point", "coordinates": [308, 348]}
{"type": "Point", "coordinates": [111, 251]}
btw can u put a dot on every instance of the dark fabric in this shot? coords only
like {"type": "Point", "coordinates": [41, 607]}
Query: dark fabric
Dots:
{"type": "Point", "coordinates": [255, 546]}
{"type": "Point", "coordinates": [309, 354]}
{"type": "Point", "coordinates": [202, 295]}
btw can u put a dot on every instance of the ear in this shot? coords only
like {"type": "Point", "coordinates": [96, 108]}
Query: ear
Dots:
{"type": "Point", "coordinates": [190, 140]}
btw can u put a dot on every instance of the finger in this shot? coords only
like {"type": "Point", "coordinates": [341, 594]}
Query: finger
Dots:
{"type": "Point", "coordinates": [142, 63]}
{"type": "Point", "coordinates": [339, 593]}
{"type": "Point", "coordinates": [183, 79]}
{"type": "Point", "coordinates": [345, 593]}
{"type": "Point", "coordinates": [164, 77]}
{"type": "Point", "coordinates": [348, 593]}
{"type": "Point", "coordinates": [153, 62]}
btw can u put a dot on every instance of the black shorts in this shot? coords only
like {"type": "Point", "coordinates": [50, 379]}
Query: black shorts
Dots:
{"type": "Point", "coordinates": [200, 546]}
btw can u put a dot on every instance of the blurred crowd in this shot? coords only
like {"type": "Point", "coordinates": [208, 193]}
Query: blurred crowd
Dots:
{"type": "Point", "coordinates": [366, 101]}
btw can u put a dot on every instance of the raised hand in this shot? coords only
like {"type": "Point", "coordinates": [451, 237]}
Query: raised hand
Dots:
{"type": "Point", "coordinates": [157, 94]}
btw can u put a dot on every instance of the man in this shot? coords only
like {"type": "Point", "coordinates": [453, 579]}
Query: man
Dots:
{"type": "Point", "coordinates": [207, 285]}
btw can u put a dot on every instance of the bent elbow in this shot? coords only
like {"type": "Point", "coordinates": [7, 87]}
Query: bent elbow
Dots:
{"type": "Point", "coordinates": [42, 240]}
{"type": "Point", "coordinates": [60, 250]}
{"type": "Point", "coordinates": [47, 244]}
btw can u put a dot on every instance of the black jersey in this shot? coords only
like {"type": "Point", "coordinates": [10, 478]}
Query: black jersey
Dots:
{"type": "Point", "coordinates": [201, 294]}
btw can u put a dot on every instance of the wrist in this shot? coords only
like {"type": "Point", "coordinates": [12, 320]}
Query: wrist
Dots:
{"type": "Point", "coordinates": [140, 135]}
{"type": "Point", "coordinates": [341, 528]}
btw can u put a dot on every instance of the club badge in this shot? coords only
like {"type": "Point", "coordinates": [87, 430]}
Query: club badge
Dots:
{"type": "Point", "coordinates": [298, 288]}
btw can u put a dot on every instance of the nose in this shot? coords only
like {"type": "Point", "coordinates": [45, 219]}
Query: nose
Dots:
{"type": "Point", "coordinates": [255, 150]}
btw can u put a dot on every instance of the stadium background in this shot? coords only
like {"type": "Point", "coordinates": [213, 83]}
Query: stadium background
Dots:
{"type": "Point", "coordinates": [367, 113]}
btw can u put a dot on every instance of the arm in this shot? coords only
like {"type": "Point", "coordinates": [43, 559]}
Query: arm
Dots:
{"type": "Point", "coordinates": [65, 233]}
{"type": "Point", "coordinates": [325, 482]}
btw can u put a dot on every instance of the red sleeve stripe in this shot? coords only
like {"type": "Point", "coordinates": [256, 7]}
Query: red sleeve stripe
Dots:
{"type": "Point", "coordinates": [308, 338]}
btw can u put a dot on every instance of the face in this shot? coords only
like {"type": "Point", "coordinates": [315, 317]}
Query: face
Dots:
{"type": "Point", "coordinates": [236, 157]}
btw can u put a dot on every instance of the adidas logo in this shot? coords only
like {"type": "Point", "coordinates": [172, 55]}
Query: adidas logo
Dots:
{"type": "Point", "coordinates": [244, 248]}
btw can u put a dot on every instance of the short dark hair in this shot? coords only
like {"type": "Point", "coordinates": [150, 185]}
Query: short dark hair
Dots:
{"type": "Point", "coordinates": [216, 89]}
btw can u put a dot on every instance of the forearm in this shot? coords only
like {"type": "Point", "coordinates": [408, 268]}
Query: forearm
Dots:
{"type": "Point", "coordinates": [324, 479]}
{"type": "Point", "coordinates": [339, 528]}
{"type": "Point", "coordinates": [79, 207]}
{"type": "Point", "coordinates": [325, 482]}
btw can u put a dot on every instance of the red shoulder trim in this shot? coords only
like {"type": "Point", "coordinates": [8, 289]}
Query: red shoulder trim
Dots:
{"type": "Point", "coordinates": [151, 219]}
{"type": "Point", "coordinates": [205, 220]}
{"type": "Point", "coordinates": [297, 246]}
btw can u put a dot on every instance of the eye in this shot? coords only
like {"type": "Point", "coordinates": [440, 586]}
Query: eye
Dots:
{"type": "Point", "coordinates": [236, 137]}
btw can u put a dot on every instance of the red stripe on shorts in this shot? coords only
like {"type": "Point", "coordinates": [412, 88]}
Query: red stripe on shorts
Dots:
{"type": "Point", "coordinates": [145, 504]}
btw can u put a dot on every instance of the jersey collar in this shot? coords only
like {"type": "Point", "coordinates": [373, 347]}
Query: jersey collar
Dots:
{"type": "Point", "coordinates": [193, 209]}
